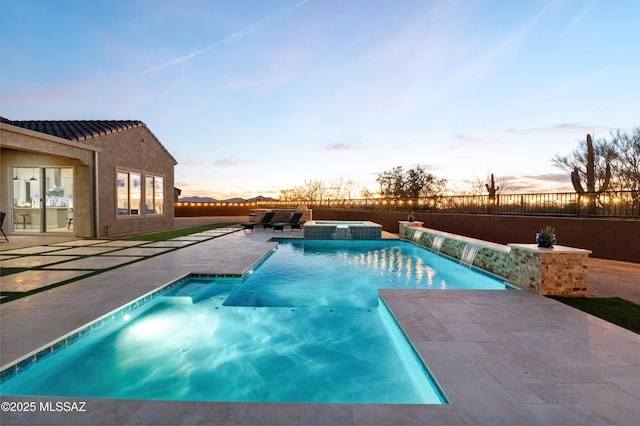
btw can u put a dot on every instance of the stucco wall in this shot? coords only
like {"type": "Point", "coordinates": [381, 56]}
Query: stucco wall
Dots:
{"type": "Point", "coordinates": [134, 150]}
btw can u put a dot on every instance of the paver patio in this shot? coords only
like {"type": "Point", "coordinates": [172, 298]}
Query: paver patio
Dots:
{"type": "Point", "coordinates": [76, 243]}
{"type": "Point", "coordinates": [95, 262]}
{"type": "Point", "coordinates": [31, 280]}
{"type": "Point", "coordinates": [32, 261]}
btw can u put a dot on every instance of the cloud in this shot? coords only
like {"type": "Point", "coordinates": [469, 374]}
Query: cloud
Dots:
{"type": "Point", "coordinates": [338, 147]}
{"type": "Point", "coordinates": [225, 162]}
{"type": "Point", "coordinates": [463, 141]}
{"type": "Point", "coordinates": [348, 144]}
{"type": "Point", "coordinates": [46, 95]}
{"type": "Point", "coordinates": [232, 38]}
{"type": "Point", "coordinates": [577, 20]}
{"type": "Point", "coordinates": [490, 59]}
{"type": "Point", "coordinates": [561, 127]}
{"type": "Point", "coordinates": [550, 182]}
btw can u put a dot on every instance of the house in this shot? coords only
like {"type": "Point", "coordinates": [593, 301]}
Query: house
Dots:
{"type": "Point", "coordinates": [90, 178]}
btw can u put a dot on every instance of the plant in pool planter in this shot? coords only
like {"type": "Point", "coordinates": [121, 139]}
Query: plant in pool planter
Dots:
{"type": "Point", "coordinates": [546, 237]}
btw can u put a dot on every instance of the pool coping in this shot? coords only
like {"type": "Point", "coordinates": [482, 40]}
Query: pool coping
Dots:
{"type": "Point", "coordinates": [593, 380]}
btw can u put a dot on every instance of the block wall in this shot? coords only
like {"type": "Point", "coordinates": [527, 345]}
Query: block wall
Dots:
{"type": "Point", "coordinates": [615, 239]}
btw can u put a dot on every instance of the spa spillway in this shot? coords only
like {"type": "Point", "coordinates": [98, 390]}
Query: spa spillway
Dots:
{"type": "Point", "coordinates": [341, 230]}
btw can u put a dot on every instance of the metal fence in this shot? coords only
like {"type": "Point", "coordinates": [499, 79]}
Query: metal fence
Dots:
{"type": "Point", "coordinates": [605, 204]}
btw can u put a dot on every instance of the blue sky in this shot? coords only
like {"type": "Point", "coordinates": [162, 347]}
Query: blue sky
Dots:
{"type": "Point", "coordinates": [252, 97]}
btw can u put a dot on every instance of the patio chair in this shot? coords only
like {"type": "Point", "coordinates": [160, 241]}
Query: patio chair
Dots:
{"type": "Point", "coordinates": [265, 222]}
{"type": "Point", "coordinates": [2, 216]}
{"type": "Point", "coordinates": [294, 222]}
{"type": "Point", "coordinates": [69, 218]}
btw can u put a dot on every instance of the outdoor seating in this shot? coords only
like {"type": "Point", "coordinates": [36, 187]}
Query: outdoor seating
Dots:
{"type": "Point", "coordinates": [294, 222]}
{"type": "Point", "coordinates": [2, 216]}
{"type": "Point", "coordinates": [265, 222]}
{"type": "Point", "coordinates": [69, 218]}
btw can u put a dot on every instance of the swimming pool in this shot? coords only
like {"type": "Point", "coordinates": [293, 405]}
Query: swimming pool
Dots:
{"type": "Point", "coordinates": [350, 273]}
{"type": "Point", "coordinates": [323, 337]}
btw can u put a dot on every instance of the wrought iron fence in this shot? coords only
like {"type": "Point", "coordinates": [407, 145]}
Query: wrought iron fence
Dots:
{"type": "Point", "coordinates": [605, 204]}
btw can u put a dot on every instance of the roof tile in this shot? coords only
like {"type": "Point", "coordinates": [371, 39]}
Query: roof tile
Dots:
{"type": "Point", "coordinates": [75, 130]}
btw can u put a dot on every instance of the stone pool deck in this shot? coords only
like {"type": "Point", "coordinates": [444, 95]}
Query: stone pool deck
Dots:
{"type": "Point", "coordinates": [501, 357]}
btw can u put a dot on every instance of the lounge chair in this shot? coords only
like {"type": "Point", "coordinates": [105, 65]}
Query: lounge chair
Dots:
{"type": "Point", "coordinates": [294, 222]}
{"type": "Point", "coordinates": [265, 222]}
{"type": "Point", "coordinates": [2, 216]}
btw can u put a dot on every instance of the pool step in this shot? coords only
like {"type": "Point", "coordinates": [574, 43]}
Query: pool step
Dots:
{"type": "Point", "coordinates": [195, 292]}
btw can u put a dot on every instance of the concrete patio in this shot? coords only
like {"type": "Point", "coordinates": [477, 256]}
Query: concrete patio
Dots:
{"type": "Point", "coordinates": [501, 357]}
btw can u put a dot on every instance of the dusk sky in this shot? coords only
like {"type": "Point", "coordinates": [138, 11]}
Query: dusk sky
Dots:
{"type": "Point", "coordinates": [252, 97]}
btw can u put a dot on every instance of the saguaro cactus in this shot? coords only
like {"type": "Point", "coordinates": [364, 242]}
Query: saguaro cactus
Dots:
{"type": "Point", "coordinates": [492, 189]}
{"type": "Point", "coordinates": [591, 173]}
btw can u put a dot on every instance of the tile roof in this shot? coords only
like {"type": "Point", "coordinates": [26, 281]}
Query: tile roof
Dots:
{"type": "Point", "coordinates": [75, 130]}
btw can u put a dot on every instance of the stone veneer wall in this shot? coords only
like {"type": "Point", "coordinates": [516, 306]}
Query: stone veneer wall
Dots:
{"type": "Point", "coordinates": [560, 271]}
{"type": "Point", "coordinates": [548, 273]}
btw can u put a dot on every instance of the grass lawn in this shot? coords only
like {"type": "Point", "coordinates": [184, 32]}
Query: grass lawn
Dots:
{"type": "Point", "coordinates": [613, 309]}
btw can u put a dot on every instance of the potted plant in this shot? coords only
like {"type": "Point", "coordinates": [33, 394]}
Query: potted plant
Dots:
{"type": "Point", "coordinates": [546, 237]}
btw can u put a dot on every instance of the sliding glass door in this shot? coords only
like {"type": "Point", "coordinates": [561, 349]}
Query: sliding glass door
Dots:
{"type": "Point", "coordinates": [42, 199]}
{"type": "Point", "coordinates": [27, 196]}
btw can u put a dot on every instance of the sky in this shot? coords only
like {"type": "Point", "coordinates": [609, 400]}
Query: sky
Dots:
{"type": "Point", "coordinates": [255, 96]}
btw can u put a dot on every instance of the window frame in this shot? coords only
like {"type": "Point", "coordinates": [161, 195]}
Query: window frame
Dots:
{"type": "Point", "coordinates": [128, 187]}
{"type": "Point", "coordinates": [154, 194]}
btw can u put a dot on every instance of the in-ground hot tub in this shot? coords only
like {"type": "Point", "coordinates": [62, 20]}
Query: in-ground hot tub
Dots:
{"type": "Point", "coordinates": [341, 230]}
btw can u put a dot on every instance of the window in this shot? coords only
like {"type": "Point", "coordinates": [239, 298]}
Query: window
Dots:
{"type": "Point", "coordinates": [154, 195]}
{"type": "Point", "coordinates": [129, 193]}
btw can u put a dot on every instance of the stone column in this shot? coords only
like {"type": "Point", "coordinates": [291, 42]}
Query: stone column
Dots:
{"type": "Point", "coordinates": [557, 271]}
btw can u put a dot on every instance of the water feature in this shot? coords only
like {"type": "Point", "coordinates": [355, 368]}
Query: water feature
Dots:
{"type": "Point", "coordinates": [343, 232]}
{"type": "Point", "coordinates": [416, 236]}
{"type": "Point", "coordinates": [437, 243]}
{"type": "Point", "coordinates": [469, 254]}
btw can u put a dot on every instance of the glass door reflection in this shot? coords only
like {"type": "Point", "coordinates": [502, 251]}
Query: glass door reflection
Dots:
{"type": "Point", "coordinates": [27, 197]}
{"type": "Point", "coordinates": [42, 199]}
{"type": "Point", "coordinates": [58, 201]}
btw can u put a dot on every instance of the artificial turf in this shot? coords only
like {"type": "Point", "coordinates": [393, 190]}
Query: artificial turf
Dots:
{"type": "Point", "coordinates": [613, 309]}
{"type": "Point", "coordinates": [175, 233]}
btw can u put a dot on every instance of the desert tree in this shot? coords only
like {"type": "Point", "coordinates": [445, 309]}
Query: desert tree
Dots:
{"type": "Point", "coordinates": [392, 183]}
{"type": "Point", "coordinates": [413, 183]}
{"type": "Point", "coordinates": [626, 165]}
{"type": "Point", "coordinates": [341, 189]}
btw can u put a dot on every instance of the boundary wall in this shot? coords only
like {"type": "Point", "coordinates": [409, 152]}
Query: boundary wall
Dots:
{"type": "Point", "coordinates": [614, 239]}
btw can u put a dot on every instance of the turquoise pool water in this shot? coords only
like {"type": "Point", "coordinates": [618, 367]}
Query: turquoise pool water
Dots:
{"type": "Point", "coordinates": [338, 222]}
{"type": "Point", "coordinates": [305, 326]}
{"type": "Point", "coordinates": [348, 274]}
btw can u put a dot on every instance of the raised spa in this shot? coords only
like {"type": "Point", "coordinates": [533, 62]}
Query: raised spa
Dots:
{"type": "Point", "coordinates": [342, 230]}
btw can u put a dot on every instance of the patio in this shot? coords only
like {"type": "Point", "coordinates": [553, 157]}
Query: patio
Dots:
{"type": "Point", "coordinates": [501, 357]}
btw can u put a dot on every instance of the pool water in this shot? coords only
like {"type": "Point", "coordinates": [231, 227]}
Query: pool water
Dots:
{"type": "Point", "coordinates": [348, 274]}
{"type": "Point", "coordinates": [306, 326]}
